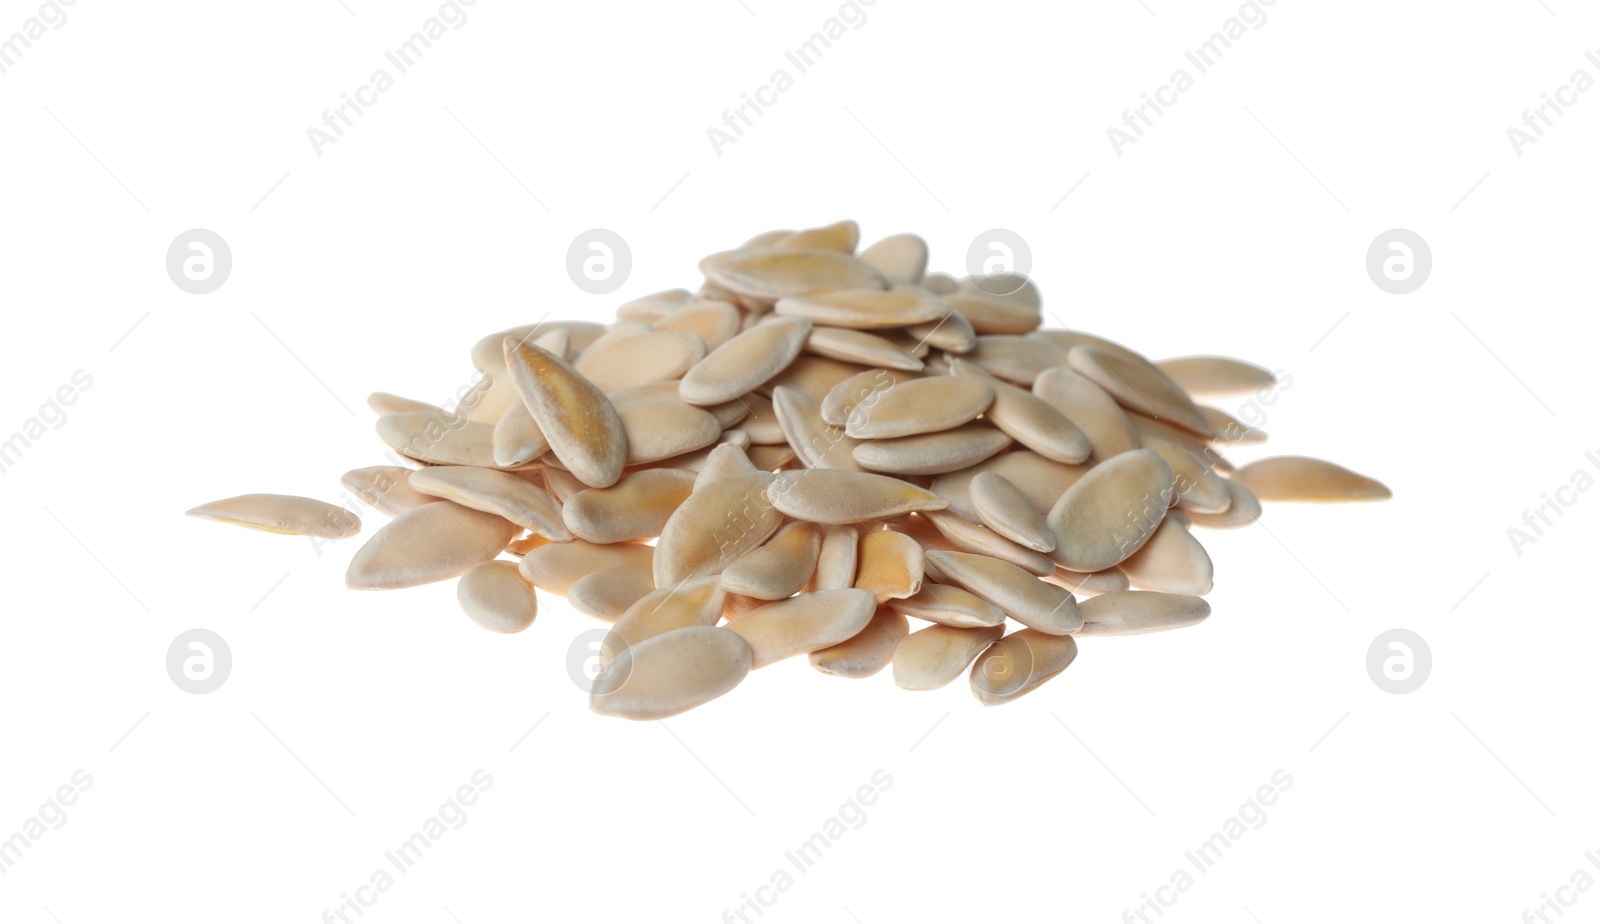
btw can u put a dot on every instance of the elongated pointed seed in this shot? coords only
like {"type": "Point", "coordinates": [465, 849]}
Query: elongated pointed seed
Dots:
{"type": "Point", "coordinates": [671, 673]}
{"type": "Point", "coordinates": [900, 257]}
{"type": "Point", "coordinates": [1089, 407]}
{"type": "Point", "coordinates": [948, 605]}
{"type": "Point", "coordinates": [695, 602]}
{"type": "Point", "coordinates": [576, 418]}
{"type": "Point", "coordinates": [433, 542]}
{"type": "Point", "coordinates": [636, 507]}
{"type": "Point", "coordinates": [386, 487]}
{"type": "Point", "coordinates": [1139, 386]}
{"type": "Point", "coordinates": [1021, 595]}
{"type": "Point", "coordinates": [744, 363]}
{"type": "Point", "coordinates": [1243, 509]}
{"type": "Point", "coordinates": [930, 453]}
{"type": "Point", "coordinates": [1172, 561]}
{"type": "Point", "coordinates": [1216, 376]}
{"type": "Point", "coordinates": [864, 309]}
{"type": "Point", "coordinates": [836, 560]}
{"type": "Point", "coordinates": [1133, 612]}
{"type": "Point", "coordinates": [282, 513]}
{"type": "Point", "coordinates": [780, 567]}
{"type": "Point", "coordinates": [716, 525]}
{"type": "Point", "coordinates": [1017, 664]}
{"type": "Point", "coordinates": [1301, 478]}
{"type": "Point", "coordinates": [524, 504]}
{"type": "Point", "coordinates": [920, 406]}
{"type": "Point", "coordinates": [931, 657]}
{"type": "Point", "coordinates": [803, 624]}
{"type": "Point", "coordinates": [608, 593]}
{"type": "Point", "coordinates": [831, 496]}
{"type": "Point", "coordinates": [1111, 511]}
{"type": "Point", "coordinates": [1003, 507]}
{"type": "Point", "coordinates": [559, 565]}
{"type": "Point", "coordinates": [868, 652]}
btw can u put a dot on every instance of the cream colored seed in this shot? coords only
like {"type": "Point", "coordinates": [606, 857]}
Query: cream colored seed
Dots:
{"type": "Point", "coordinates": [1198, 488]}
{"type": "Point", "coordinates": [1041, 479]}
{"type": "Point", "coordinates": [813, 376]}
{"type": "Point", "coordinates": [816, 443]}
{"type": "Point", "coordinates": [925, 405]}
{"type": "Point", "coordinates": [858, 346]}
{"type": "Point", "coordinates": [637, 507]}
{"type": "Point", "coordinates": [949, 605]}
{"type": "Point", "coordinates": [842, 236]}
{"type": "Point", "coordinates": [1111, 511]}
{"type": "Point", "coordinates": [451, 439]}
{"type": "Point", "coordinates": [1089, 408]}
{"type": "Point", "coordinates": [1173, 561]}
{"type": "Point", "coordinates": [282, 513]}
{"type": "Point", "coordinates": [931, 453]}
{"type": "Point", "coordinates": [860, 390]}
{"type": "Point", "coordinates": [524, 504]}
{"type": "Point", "coordinates": [433, 542]}
{"type": "Point", "coordinates": [967, 536]}
{"type": "Point", "coordinates": [671, 673]}
{"type": "Point", "coordinates": [1003, 507]}
{"type": "Point", "coordinates": [1030, 601]}
{"type": "Point", "coordinates": [931, 657]}
{"type": "Point", "coordinates": [832, 496]}
{"type": "Point", "coordinates": [517, 440]}
{"type": "Point", "coordinates": [608, 593]}
{"type": "Point", "coordinates": [744, 363]}
{"type": "Point", "coordinates": [1301, 478]}
{"type": "Point", "coordinates": [1230, 429]}
{"type": "Point", "coordinates": [770, 275]}
{"type": "Point", "coordinates": [642, 359]}
{"type": "Point", "coordinates": [384, 403]}
{"type": "Point", "coordinates": [1029, 420]}
{"type": "Point", "coordinates": [724, 461]}
{"type": "Point", "coordinates": [836, 560]}
{"type": "Point", "coordinates": [714, 322]}
{"type": "Point", "coordinates": [496, 597]}
{"type": "Point", "coordinates": [890, 566]}
{"type": "Point", "coordinates": [1216, 376]}
{"type": "Point", "coordinates": [577, 419]}
{"type": "Point", "coordinates": [761, 422]}
{"type": "Point", "coordinates": [869, 652]}
{"type": "Point", "coordinates": [696, 602]}
{"type": "Point", "coordinates": [952, 333]}
{"type": "Point", "coordinates": [657, 430]}
{"type": "Point", "coordinates": [559, 565]}
{"type": "Point", "coordinates": [899, 257]}
{"type": "Point", "coordinates": [780, 567]}
{"type": "Point", "coordinates": [648, 308]}
{"type": "Point", "coordinates": [803, 624]}
{"type": "Point", "coordinates": [1014, 359]}
{"type": "Point", "coordinates": [386, 487]}
{"type": "Point", "coordinates": [1243, 510]}
{"type": "Point", "coordinates": [1095, 582]}
{"type": "Point", "coordinates": [864, 308]}
{"type": "Point", "coordinates": [716, 525]}
{"type": "Point", "coordinates": [1018, 664]}
{"type": "Point", "coordinates": [1133, 612]}
{"type": "Point", "coordinates": [1139, 386]}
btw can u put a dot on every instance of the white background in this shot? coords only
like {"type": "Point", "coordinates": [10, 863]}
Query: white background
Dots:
{"type": "Point", "coordinates": [1239, 224]}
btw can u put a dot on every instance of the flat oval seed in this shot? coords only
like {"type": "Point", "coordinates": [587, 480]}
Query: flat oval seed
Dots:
{"type": "Point", "coordinates": [1003, 507]}
{"type": "Point", "coordinates": [1018, 360]}
{"type": "Point", "coordinates": [577, 418]}
{"type": "Point", "coordinates": [967, 536]}
{"type": "Point", "coordinates": [1173, 561]}
{"type": "Point", "coordinates": [559, 565]}
{"type": "Point", "coordinates": [1230, 429]}
{"type": "Point", "coordinates": [744, 363]}
{"type": "Point", "coordinates": [608, 593]}
{"type": "Point", "coordinates": [516, 439]}
{"type": "Point", "coordinates": [434, 542]}
{"type": "Point", "coordinates": [1095, 582]}
{"type": "Point", "coordinates": [925, 405]}
{"type": "Point", "coordinates": [857, 390]}
{"type": "Point", "coordinates": [931, 657]}
{"type": "Point", "coordinates": [813, 375]}
{"type": "Point", "coordinates": [637, 507]}
{"type": "Point", "coordinates": [1138, 385]}
{"type": "Point", "coordinates": [656, 305]}
{"type": "Point", "coordinates": [952, 333]}
{"type": "Point", "coordinates": [724, 461]}
{"type": "Point", "coordinates": [285, 514]}
{"type": "Point", "coordinates": [1301, 478]}
{"type": "Point", "coordinates": [386, 487]}
{"type": "Point", "coordinates": [1017, 664]}
{"type": "Point", "coordinates": [1041, 479]}
{"type": "Point", "coordinates": [384, 403]}
{"type": "Point", "coordinates": [761, 422]}
{"type": "Point", "coordinates": [1134, 612]}
{"type": "Point", "coordinates": [1216, 376]}
{"type": "Point", "coordinates": [868, 652]}
{"type": "Point", "coordinates": [671, 673]}
{"type": "Point", "coordinates": [715, 526]}
{"type": "Point", "coordinates": [448, 440]}
{"type": "Point", "coordinates": [779, 568]}
{"type": "Point", "coordinates": [496, 597]}
{"type": "Point", "coordinates": [1243, 510]}
{"type": "Point", "coordinates": [519, 501]}
{"type": "Point", "coordinates": [864, 308]}
{"type": "Point", "coordinates": [1021, 595]}
{"type": "Point", "coordinates": [931, 453]}
{"type": "Point", "coordinates": [899, 257]}
{"type": "Point", "coordinates": [696, 602]}
{"type": "Point", "coordinates": [948, 605]}
{"type": "Point", "coordinates": [1197, 487]}
{"type": "Point", "coordinates": [1111, 511]}
{"type": "Point", "coordinates": [803, 624]}
{"type": "Point", "coordinates": [836, 559]}
{"type": "Point", "coordinates": [817, 444]}
{"type": "Point", "coordinates": [832, 496]}
{"type": "Point", "coordinates": [643, 359]}
{"type": "Point", "coordinates": [990, 314]}
{"type": "Point", "coordinates": [842, 236]}
{"type": "Point", "coordinates": [771, 275]}
{"type": "Point", "coordinates": [656, 430]}
{"type": "Point", "coordinates": [890, 566]}
{"type": "Point", "coordinates": [714, 322]}
{"type": "Point", "coordinates": [1090, 409]}
{"type": "Point", "coordinates": [858, 346]}
{"type": "Point", "coordinates": [1029, 420]}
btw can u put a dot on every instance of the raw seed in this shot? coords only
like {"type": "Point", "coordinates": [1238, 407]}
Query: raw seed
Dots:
{"type": "Point", "coordinates": [803, 624]}
{"type": "Point", "coordinates": [770, 275]}
{"type": "Point", "coordinates": [608, 593]}
{"type": "Point", "coordinates": [282, 513]}
{"type": "Point", "coordinates": [858, 390]}
{"type": "Point", "coordinates": [1021, 595]}
{"type": "Point", "coordinates": [1133, 612]}
{"type": "Point", "coordinates": [637, 507]}
{"type": "Point", "coordinates": [925, 405]}
{"type": "Point", "coordinates": [643, 359]}
{"type": "Point", "coordinates": [386, 487]}
{"type": "Point", "coordinates": [696, 602]}
{"type": "Point", "coordinates": [1173, 561]}
{"type": "Point", "coordinates": [950, 606]}
{"type": "Point", "coordinates": [433, 542]}
{"type": "Point", "coordinates": [524, 504]}
{"type": "Point", "coordinates": [864, 309]}
{"type": "Point", "coordinates": [857, 346]}
{"type": "Point", "coordinates": [1002, 507]}
{"type": "Point", "coordinates": [496, 597]}
{"type": "Point", "coordinates": [1111, 511]}
{"type": "Point", "coordinates": [779, 568]}
{"type": "Point", "coordinates": [715, 526]}
{"type": "Point", "coordinates": [814, 442]}
{"type": "Point", "coordinates": [1301, 478]}
{"type": "Point", "coordinates": [1029, 420]}
{"type": "Point", "coordinates": [967, 536]}
{"type": "Point", "coordinates": [1139, 386]}
{"type": "Point", "coordinates": [671, 673]}
{"type": "Point", "coordinates": [890, 567]}
{"type": "Point", "coordinates": [742, 364]}
{"type": "Point", "coordinates": [1018, 664]}
{"type": "Point", "coordinates": [1216, 376]}
{"type": "Point", "coordinates": [832, 496]}
{"type": "Point", "coordinates": [930, 453]}
{"type": "Point", "coordinates": [559, 565]}
{"type": "Point", "coordinates": [868, 652]}
{"type": "Point", "coordinates": [899, 257]}
{"type": "Point", "coordinates": [931, 657]}
{"type": "Point", "coordinates": [836, 560]}
{"type": "Point", "coordinates": [1243, 510]}
{"type": "Point", "coordinates": [577, 418]}
{"type": "Point", "coordinates": [1089, 408]}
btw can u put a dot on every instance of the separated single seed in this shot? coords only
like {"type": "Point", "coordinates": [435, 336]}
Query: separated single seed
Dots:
{"type": "Point", "coordinates": [496, 597]}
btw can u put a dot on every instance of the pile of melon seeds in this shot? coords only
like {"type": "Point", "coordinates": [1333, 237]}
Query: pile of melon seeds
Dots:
{"type": "Point", "coordinates": [813, 453]}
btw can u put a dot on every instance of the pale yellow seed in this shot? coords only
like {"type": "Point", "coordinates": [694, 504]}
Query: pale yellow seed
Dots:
{"type": "Point", "coordinates": [1111, 511]}
{"type": "Point", "coordinates": [1173, 561]}
{"type": "Point", "coordinates": [931, 453]}
{"type": "Point", "coordinates": [608, 593]}
{"type": "Point", "coordinates": [386, 487]}
{"type": "Point", "coordinates": [832, 496]}
{"type": "Point", "coordinates": [836, 559]}
{"type": "Point", "coordinates": [1134, 612]}
{"type": "Point", "coordinates": [890, 566]}
{"type": "Point", "coordinates": [770, 275]}
{"type": "Point", "coordinates": [696, 602]}
{"type": "Point", "coordinates": [925, 405]}
{"type": "Point", "coordinates": [1090, 409]}
{"type": "Point", "coordinates": [642, 359]}
{"type": "Point", "coordinates": [864, 308]}
{"type": "Point", "coordinates": [433, 542]}
{"type": "Point", "coordinates": [967, 536]}
{"type": "Point", "coordinates": [559, 565]}
{"type": "Point", "coordinates": [1018, 664]}
{"type": "Point", "coordinates": [1216, 376]}
{"type": "Point", "coordinates": [780, 567]}
{"type": "Point", "coordinates": [931, 657]}
{"type": "Point", "coordinates": [744, 363]}
{"type": "Point", "coordinates": [671, 673]}
{"type": "Point", "coordinates": [1030, 601]}
{"type": "Point", "coordinates": [868, 652]}
{"type": "Point", "coordinates": [519, 501]}
{"type": "Point", "coordinates": [285, 514]}
{"type": "Point", "coordinates": [1139, 386]}
{"type": "Point", "coordinates": [577, 419]}
{"type": "Point", "coordinates": [899, 257]}
{"type": "Point", "coordinates": [496, 597]}
{"type": "Point", "coordinates": [949, 605]}
{"type": "Point", "coordinates": [637, 507]}
{"type": "Point", "coordinates": [716, 525]}
{"type": "Point", "coordinates": [803, 624]}
{"type": "Point", "coordinates": [1003, 507]}
{"type": "Point", "coordinates": [1301, 478]}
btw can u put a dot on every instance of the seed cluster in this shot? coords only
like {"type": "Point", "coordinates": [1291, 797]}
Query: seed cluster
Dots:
{"type": "Point", "coordinates": [824, 445]}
